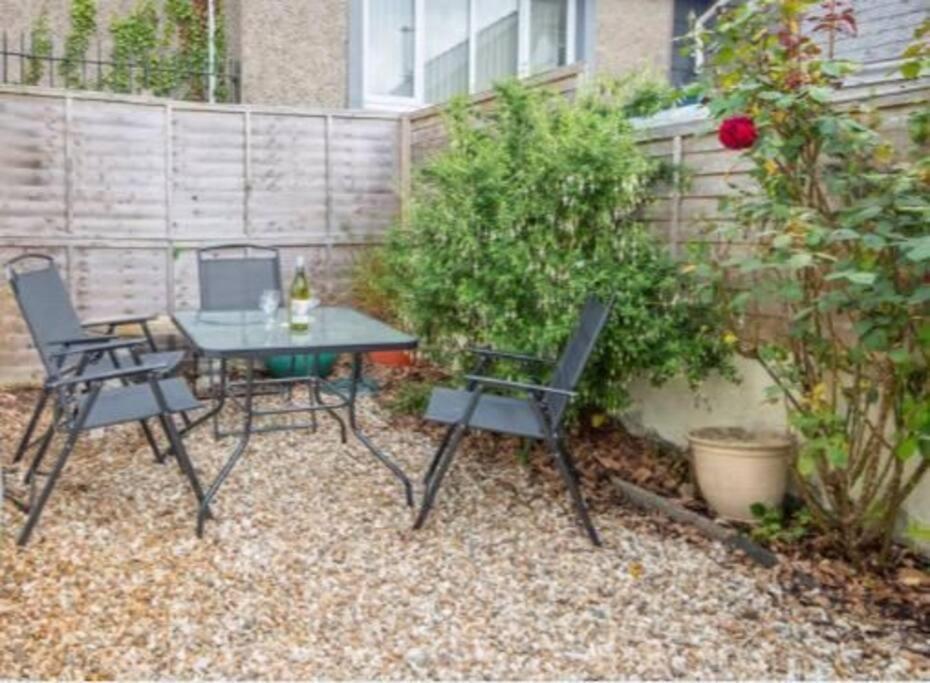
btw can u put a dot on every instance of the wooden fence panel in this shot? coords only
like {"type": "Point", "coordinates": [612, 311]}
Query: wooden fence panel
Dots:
{"type": "Point", "coordinates": [364, 177]}
{"type": "Point", "coordinates": [122, 190]}
{"type": "Point", "coordinates": [32, 166]}
{"type": "Point", "coordinates": [117, 179]}
{"type": "Point", "coordinates": [208, 175]}
{"type": "Point", "coordinates": [287, 175]}
{"type": "Point", "coordinates": [118, 281]}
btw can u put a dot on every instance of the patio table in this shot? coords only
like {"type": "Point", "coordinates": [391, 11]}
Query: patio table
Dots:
{"type": "Point", "coordinates": [252, 336]}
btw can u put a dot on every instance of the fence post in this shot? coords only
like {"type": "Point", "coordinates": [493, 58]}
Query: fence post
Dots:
{"type": "Point", "coordinates": [330, 213]}
{"type": "Point", "coordinates": [169, 225]}
{"type": "Point", "coordinates": [69, 166]}
{"type": "Point", "coordinates": [247, 171]}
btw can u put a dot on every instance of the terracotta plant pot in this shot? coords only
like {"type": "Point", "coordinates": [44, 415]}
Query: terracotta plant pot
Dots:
{"type": "Point", "coordinates": [736, 468]}
{"type": "Point", "coordinates": [394, 359]}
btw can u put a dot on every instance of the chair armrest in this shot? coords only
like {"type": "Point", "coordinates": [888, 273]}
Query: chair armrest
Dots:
{"type": "Point", "coordinates": [107, 345]}
{"type": "Point", "coordinates": [83, 341]}
{"type": "Point", "coordinates": [509, 355]}
{"type": "Point", "coordinates": [131, 371]}
{"type": "Point", "coordinates": [519, 386]}
{"type": "Point", "coordinates": [116, 322]}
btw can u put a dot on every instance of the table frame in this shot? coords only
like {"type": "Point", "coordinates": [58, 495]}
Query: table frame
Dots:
{"type": "Point", "coordinates": [315, 386]}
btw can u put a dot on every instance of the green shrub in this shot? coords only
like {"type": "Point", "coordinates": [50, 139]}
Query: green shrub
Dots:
{"type": "Point", "coordinates": [534, 206]}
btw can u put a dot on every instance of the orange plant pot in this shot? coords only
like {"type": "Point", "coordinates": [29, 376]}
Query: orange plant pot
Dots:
{"type": "Point", "coordinates": [394, 359]}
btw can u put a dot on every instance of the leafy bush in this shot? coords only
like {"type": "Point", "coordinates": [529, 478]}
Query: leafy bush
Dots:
{"type": "Point", "coordinates": [534, 206]}
{"type": "Point", "coordinates": [841, 253]}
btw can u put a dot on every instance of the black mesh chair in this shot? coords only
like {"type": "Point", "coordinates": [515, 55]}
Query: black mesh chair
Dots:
{"type": "Point", "coordinates": [53, 323]}
{"type": "Point", "coordinates": [80, 372]}
{"type": "Point", "coordinates": [232, 277]}
{"type": "Point", "coordinates": [539, 416]}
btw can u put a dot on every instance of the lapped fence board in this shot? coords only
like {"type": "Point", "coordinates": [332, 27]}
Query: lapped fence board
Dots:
{"type": "Point", "coordinates": [123, 190]}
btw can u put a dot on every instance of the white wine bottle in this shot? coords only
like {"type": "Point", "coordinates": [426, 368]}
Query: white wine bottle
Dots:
{"type": "Point", "coordinates": [300, 299]}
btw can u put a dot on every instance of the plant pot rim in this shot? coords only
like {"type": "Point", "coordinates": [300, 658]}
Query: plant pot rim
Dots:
{"type": "Point", "coordinates": [739, 439]}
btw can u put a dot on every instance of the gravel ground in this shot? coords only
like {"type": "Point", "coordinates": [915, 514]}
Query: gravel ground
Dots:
{"type": "Point", "coordinates": [311, 571]}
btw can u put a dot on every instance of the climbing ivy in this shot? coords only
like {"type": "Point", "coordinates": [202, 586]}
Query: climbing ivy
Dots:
{"type": "Point", "coordinates": [136, 62]}
{"type": "Point", "coordinates": [40, 50]}
{"type": "Point", "coordinates": [83, 26]}
{"type": "Point", "coordinates": [166, 53]}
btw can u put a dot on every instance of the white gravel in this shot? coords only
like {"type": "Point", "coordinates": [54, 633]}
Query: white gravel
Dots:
{"type": "Point", "coordinates": [311, 571]}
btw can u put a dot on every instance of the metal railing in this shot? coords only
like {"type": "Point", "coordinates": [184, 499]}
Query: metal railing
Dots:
{"type": "Point", "coordinates": [20, 64]}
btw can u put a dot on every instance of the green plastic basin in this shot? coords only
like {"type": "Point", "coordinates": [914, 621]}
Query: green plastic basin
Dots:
{"type": "Point", "coordinates": [301, 366]}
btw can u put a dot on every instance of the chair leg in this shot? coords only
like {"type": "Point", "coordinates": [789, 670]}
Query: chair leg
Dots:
{"type": "Point", "coordinates": [150, 438]}
{"type": "Point", "coordinates": [180, 454]}
{"type": "Point", "coordinates": [40, 454]}
{"type": "Point", "coordinates": [567, 469]}
{"type": "Point", "coordinates": [35, 511]}
{"type": "Point", "coordinates": [445, 455]}
{"type": "Point", "coordinates": [31, 427]}
{"type": "Point", "coordinates": [435, 461]}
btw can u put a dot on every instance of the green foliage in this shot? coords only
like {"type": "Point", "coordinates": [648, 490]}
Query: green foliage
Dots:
{"type": "Point", "coordinates": [83, 26]}
{"type": "Point", "coordinates": [411, 398]}
{"type": "Point", "coordinates": [917, 55]}
{"type": "Point", "coordinates": [534, 206]}
{"type": "Point", "coordinates": [158, 47]}
{"type": "Point", "coordinates": [165, 53]}
{"type": "Point", "coordinates": [40, 49]}
{"type": "Point", "coordinates": [841, 252]}
{"type": "Point", "coordinates": [774, 525]}
{"type": "Point", "coordinates": [135, 48]}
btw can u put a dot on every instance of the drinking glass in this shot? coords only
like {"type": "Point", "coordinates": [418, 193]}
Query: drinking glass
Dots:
{"type": "Point", "coordinates": [269, 302]}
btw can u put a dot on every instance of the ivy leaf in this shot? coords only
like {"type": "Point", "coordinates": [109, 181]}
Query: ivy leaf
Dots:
{"type": "Point", "coordinates": [856, 277]}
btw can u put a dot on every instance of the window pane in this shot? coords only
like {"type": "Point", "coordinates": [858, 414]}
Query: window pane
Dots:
{"type": "Point", "coordinates": [390, 49]}
{"type": "Point", "coordinates": [498, 36]}
{"type": "Point", "coordinates": [548, 34]}
{"type": "Point", "coordinates": [446, 68]}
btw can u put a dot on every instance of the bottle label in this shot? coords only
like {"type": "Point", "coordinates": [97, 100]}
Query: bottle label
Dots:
{"type": "Point", "coordinates": [300, 311]}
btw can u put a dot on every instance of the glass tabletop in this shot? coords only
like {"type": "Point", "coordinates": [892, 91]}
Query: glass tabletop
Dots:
{"type": "Point", "coordinates": [251, 333]}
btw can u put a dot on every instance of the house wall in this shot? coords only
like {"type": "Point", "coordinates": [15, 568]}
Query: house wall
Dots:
{"type": "Point", "coordinates": [294, 52]}
{"type": "Point", "coordinates": [632, 35]}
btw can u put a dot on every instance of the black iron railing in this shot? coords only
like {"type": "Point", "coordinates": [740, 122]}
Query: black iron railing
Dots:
{"type": "Point", "coordinates": [167, 77]}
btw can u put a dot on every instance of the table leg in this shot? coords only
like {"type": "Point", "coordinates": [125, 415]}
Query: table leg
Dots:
{"type": "Point", "coordinates": [353, 424]}
{"type": "Point", "coordinates": [236, 454]}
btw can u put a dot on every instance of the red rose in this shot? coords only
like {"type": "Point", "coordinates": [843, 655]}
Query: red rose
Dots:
{"type": "Point", "coordinates": [738, 132]}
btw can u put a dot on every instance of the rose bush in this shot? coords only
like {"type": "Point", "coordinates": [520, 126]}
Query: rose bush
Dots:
{"type": "Point", "coordinates": [839, 257]}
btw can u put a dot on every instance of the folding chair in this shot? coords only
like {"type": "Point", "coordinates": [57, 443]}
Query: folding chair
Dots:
{"type": "Point", "coordinates": [539, 416]}
{"type": "Point", "coordinates": [54, 324]}
{"type": "Point", "coordinates": [78, 372]}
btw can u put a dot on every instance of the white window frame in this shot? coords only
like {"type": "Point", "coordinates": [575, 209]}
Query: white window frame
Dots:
{"type": "Point", "coordinates": [524, 69]}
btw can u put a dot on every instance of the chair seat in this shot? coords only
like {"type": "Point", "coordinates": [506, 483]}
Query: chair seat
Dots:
{"type": "Point", "coordinates": [137, 402]}
{"type": "Point", "coordinates": [501, 414]}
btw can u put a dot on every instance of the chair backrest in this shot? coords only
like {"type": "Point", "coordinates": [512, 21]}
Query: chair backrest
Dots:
{"type": "Point", "coordinates": [233, 276]}
{"type": "Point", "coordinates": [44, 303]}
{"type": "Point", "coordinates": [577, 352]}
